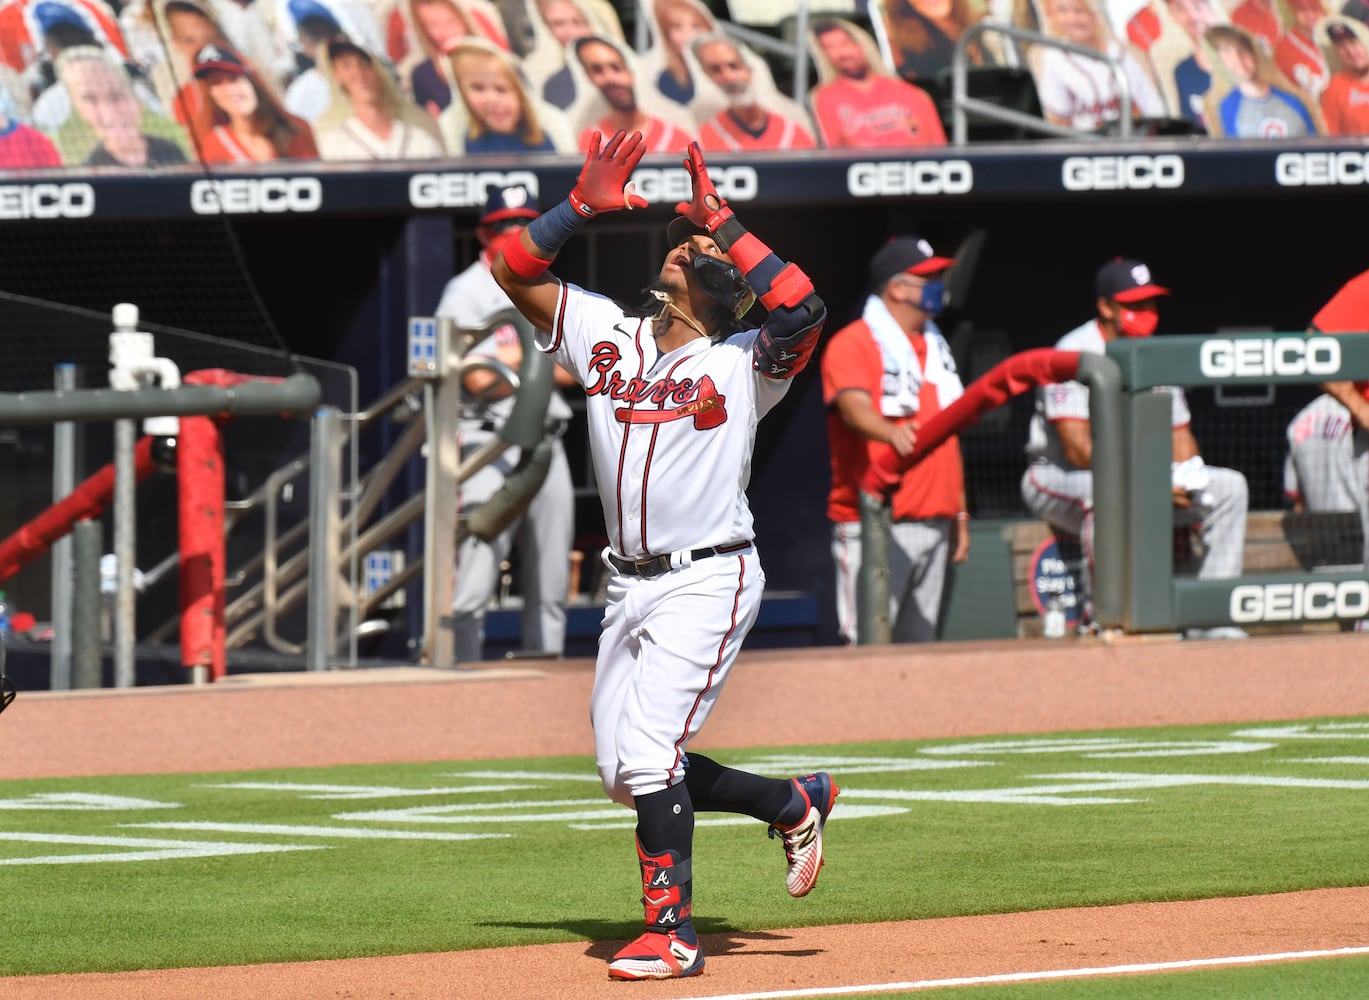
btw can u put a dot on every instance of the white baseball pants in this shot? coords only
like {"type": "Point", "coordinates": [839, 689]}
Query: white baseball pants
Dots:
{"type": "Point", "coordinates": [667, 647]}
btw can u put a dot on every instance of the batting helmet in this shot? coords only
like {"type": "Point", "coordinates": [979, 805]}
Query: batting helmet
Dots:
{"type": "Point", "coordinates": [721, 280]}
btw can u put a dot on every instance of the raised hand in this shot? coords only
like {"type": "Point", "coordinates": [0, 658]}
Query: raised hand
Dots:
{"type": "Point", "coordinates": [603, 184]}
{"type": "Point", "coordinates": [707, 208]}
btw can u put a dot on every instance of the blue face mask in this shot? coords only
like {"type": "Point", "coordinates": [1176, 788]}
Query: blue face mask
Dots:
{"type": "Point", "coordinates": [933, 297]}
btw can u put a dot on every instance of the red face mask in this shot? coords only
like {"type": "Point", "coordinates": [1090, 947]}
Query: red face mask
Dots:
{"type": "Point", "coordinates": [1138, 322]}
{"type": "Point", "coordinates": [496, 242]}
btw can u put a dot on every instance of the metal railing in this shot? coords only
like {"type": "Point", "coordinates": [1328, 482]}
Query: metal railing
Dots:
{"type": "Point", "coordinates": [963, 105]}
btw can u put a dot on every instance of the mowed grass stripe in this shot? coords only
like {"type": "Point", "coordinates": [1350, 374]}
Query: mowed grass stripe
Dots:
{"type": "Point", "coordinates": [924, 829]}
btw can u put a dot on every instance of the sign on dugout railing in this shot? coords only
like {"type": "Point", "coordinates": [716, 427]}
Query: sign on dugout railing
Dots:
{"type": "Point", "coordinates": [1154, 599]}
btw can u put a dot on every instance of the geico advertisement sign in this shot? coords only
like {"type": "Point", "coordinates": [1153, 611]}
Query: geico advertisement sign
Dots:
{"type": "Point", "coordinates": [1321, 169]}
{"type": "Point", "coordinates": [1280, 356]}
{"type": "Point", "coordinates": [465, 190]}
{"type": "Point", "coordinates": [1122, 173]}
{"type": "Point", "coordinates": [1289, 602]}
{"type": "Point", "coordinates": [869, 180]}
{"type": "Point", "coordinates": [46, 201]}
{"type": "Point", "coordinates": [249, 195]}
{"type": "Point", "coordinates": [670, 184]}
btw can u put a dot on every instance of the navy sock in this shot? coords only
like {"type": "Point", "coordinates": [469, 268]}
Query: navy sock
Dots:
{"type": "Point", "coordinates": [715, 788]}
{"type": "Point", "coordinates": [665, 822]}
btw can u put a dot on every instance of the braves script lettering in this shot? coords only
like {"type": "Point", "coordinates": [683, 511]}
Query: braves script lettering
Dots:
{"type": "Point", "coordinates": [699, 400]}
{"type": "Point", "coordinates": [603, 361]}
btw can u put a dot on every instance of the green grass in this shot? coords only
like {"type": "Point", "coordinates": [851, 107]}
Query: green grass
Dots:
{"type": "Point", "coordinates": [1318, 979]}
{"type": "Point", "coordinates": [546, 881]}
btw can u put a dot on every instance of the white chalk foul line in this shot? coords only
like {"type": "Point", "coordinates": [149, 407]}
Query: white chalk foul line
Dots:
{"type": "Point", "coordinates": [1026, 977]}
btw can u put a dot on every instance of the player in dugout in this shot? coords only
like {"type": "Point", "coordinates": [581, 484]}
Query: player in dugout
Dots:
{"type": "Point", "coordinates": [1058, 483]}
{"type": "Point", "coordinates": [675, 388]}
{"type": "Point", "coordinates": [1348, 312]}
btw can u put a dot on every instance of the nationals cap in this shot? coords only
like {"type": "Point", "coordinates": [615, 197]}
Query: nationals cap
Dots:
{"type": "Point", "coordinates": [212, 59]}
{"type": "Point", "coordinates": [905, 255]}
{"type": "Point", "coordinates": [1125, 280]}
{"type": "Point", "coordinates": [512, 202]}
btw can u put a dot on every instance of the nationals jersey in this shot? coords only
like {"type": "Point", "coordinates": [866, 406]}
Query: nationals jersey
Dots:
{"type": "Point", "coordinates": [1083, 92]}
{"type": "Point", "coordinates": [1070, 400]}
{"type": "Point", "coordinates": [1321, 467]}
{"type": "Point", "coordinates": [1345, 105]}
{"type": "Point", "coordinates": [671, 434]}
{"type": "Point", "coordinates": [887, 112]}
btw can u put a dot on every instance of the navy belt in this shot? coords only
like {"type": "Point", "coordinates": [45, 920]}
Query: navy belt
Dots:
{"type": "Point", "coordinates": [650, 567]}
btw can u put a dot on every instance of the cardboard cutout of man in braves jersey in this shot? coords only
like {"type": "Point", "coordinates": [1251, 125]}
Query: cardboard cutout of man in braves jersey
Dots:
{"type": "Point", "coordinates": [858, 105]}
{"type": "Point", "coordinates": [756, 117]}
{"type": "Point", "coordinates": [1058, 483]}
{"type": "Point", "coordinates": [674, 390]}
{"type": "Point", "coordinates": [609, 98]}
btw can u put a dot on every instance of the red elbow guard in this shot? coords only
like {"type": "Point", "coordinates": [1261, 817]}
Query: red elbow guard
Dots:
{"type": "Point", "coordinates": [790, 287]}
{"type": "Point", "coordinates": [521, 262]}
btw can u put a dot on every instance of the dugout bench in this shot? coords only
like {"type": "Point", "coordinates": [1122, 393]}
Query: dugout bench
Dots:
{"type": "Point", "coordinates": [1276, 541]}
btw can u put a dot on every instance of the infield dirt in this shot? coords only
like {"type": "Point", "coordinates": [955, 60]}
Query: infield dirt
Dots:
{"type": "Point", "coordinates": [773, 698]}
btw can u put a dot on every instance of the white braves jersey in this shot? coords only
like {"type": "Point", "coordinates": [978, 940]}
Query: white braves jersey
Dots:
{"type": "Point", "coordinates": [1070, 400]}
{"type": "Point", "coordinates": [473, 300]}
{"type": "Point", "coordinates": [671, 435]}
{"type": "Point", "coordinates": [1083, 91]}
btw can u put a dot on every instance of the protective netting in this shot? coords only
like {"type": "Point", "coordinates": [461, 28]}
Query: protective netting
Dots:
{"type": "Point", "coordinates": [38, 336]}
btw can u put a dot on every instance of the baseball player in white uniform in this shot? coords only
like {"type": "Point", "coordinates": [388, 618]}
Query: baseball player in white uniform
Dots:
{"type": "Point", "coordinates": [674, 391]}
{"type": "Point", "coordinates": [1058, 483]}
{"type": "Point", "coordinates": [1327, 467]}
{"type": "Point", "coordinates": [546, 531]}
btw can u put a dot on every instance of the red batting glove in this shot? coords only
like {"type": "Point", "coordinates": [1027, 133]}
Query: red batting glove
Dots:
{"type": "Point", "coordinates": [707, 209]}
{"type": "Point", "coordinates": [603, 184]}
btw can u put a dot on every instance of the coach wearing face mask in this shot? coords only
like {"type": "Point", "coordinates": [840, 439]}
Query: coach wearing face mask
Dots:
{"type": "Point", "coordinates": [1058, 483]}
{"type": "Point", "coordinates": [883, 376]}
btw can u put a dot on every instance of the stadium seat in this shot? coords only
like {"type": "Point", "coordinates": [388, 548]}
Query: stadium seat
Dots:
{"type": "Point", "coordinates": [1008, 87]}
